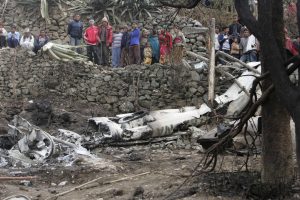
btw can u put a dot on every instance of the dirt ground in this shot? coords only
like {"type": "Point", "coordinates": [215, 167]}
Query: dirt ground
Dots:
{"type": "Point", "coordinates": [140, 173]}
{"type": "Point", "coordinates": [154, 171]}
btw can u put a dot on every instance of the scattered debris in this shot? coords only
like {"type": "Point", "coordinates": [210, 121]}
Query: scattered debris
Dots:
{"type": "Point", "coordinates": [17, 197]}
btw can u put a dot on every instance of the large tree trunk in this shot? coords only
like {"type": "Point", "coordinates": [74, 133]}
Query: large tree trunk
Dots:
{"type": "Point", "coordinates": [277, 159]}
{"type": "Point", "coordinates": [277, 141]}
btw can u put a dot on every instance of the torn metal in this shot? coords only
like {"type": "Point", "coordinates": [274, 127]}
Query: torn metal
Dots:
{"type": "Point", "coordinates": [33, 146]}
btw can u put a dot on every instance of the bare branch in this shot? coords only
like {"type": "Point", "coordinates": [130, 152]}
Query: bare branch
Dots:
{"type": "Point", "coordinates": [243, 10]}
{"type": "Point", "coordinates": [180, 3]}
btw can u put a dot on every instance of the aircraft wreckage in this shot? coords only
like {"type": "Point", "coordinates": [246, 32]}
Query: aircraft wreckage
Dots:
{"type": "Point", "coordinates": [29, 144]}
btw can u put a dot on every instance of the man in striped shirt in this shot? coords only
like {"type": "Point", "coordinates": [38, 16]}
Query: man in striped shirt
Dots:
{"type": "Point", "coordinates": [116, 47]}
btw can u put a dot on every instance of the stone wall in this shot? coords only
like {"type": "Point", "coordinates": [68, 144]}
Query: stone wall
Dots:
{"type": "Point", "coordinates": [119, 90]}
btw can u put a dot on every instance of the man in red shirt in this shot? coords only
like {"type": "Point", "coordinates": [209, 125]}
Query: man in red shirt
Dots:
{"type": "Point", "coordinates": [91, 37]}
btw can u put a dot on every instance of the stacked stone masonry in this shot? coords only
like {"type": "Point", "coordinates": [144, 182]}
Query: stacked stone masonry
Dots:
{"type": "Point", "coordinates": [127, 89]}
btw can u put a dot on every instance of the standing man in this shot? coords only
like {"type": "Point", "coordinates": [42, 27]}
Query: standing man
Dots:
{"type": "Point", "coordinates": [13, 37]}
{"type": "Point", "coordinates": [91, 38]}
{"type": "Point", "coordinates": [106, 36]}
{"type": "Point", "coordinates": [75, 29]}
{"type": "Point", "coordinates": [224, 40]}
{"type": "Point", "coordinates": [235, 28]}
{"type": "Point", "coordinates": [116, 47]}
{"type": "Point", "coordinates": [134, 49]}
{"type": "Point", "coordinates": [248, 45]}
{"type": "Point", "coordinates": [125, 47]}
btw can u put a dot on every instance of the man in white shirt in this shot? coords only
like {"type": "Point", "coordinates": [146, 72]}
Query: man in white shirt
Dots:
{"type": "Point", "coordinates": [248, 46]}
{"type": "Point", "coordinates": [27, 41]}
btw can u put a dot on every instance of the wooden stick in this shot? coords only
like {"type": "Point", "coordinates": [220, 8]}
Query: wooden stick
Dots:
{"type": "Point", "coordinates": [234, 79]}
{"type": "Point", "coordinates": [237, 60]}
{"type": "Point", "coordinates": [93, 181]}
{"type": "Point", "coordinates": [17, 178]}
{"type": "Point", "coordinates": [212, 71]}
{"type": "Point", "coordinates": [192, 54]}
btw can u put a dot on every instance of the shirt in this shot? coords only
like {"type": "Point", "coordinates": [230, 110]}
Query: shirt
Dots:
{"type": "Point", "coordinates": [91, 35]}
{"type": "Point", "coordinates": [226, 44]}
{"type": "Point", "coordinates": [117, 40]}
{"type": "Point", "coordinates": [135, 37]}
{"type": "Point", "coordinates": [15, 35]}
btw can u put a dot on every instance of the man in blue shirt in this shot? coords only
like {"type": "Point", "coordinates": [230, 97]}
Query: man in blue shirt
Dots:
{"type": "Point", "coordinates": [13, 37]}
{"type": "Point", "coordinates": [134, 47]}
{"type": "Point", "coordinates": [75, 31]}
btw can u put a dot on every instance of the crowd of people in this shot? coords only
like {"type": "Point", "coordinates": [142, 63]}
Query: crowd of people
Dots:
{"type": "Point", "coordinates": [237, 41]}
{"type": "Point", "coordinates": [129, 44]}
{"type": "Point", "coordinates": [14, 39]}
{"type": "Point", "coordinates": [117, 46]}
{"type": "Point", "coordinates": [120, 46]}
{"type": "Point", "coordinates": [240, 43]}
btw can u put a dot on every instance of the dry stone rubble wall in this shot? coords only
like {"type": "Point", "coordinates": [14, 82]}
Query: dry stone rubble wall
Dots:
{"type": "Point", "coordinates": [119, 90]}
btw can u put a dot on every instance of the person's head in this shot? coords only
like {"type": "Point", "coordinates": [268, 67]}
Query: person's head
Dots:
{"type": "Point", "coordinates": [42, 33]}
{"type": "Point", "coordinates": [217, 30]}
{"type": "Point", "coordinates": [76, 17]}
{"type": "Point", "coordinates": [236, 19]}
{"type": "Point", "coordinates": [148, 44]}
{"type": "Point", "coordinates": [226, 29]}
{"type": "Point", "coordinates": [117, 29]}
{"type": "Point", "coordinates": [176, 28]}
{"type": "Point", "coordinates": [235, 39]}
{"type": "Point", "coordinates": [246, 33]}
{"type": "Point", "coordinates": [27, 32]}
{"type": "Point", "coordinates": [125, 28]}
{"type": "Point", "coordinates": [1, 25]}
{"type": "Point", "coordinates": [104, 21]}
{"type": "Point", "coordinates": [13, 28]}
{"type": "Point", "coordinates": [91, 22]}
{"type": "Point", "coordinates": [134, 24]}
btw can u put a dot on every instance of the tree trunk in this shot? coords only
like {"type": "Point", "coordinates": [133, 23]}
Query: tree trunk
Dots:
{"type": "Point", "coordinates": [277, 159]}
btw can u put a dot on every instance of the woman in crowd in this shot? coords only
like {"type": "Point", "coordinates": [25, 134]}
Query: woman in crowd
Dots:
{"type": "Point", "coordinates": [166, 44]}
{"type": "Point", "coordinates": [178, 46]}
{"type": "Point", "coordinates": [40, 41]}
{"type": "Point", "coordinates": [154, 43]}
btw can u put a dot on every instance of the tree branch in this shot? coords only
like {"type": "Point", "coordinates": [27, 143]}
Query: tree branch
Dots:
{"type": "Point", "coordinates": [180, 4]}
{"type": "Point", "coordinates": [243, 10]}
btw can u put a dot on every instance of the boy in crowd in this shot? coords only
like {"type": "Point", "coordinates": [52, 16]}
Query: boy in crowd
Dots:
{"type": "Point", "coordinates": [91, 37]}
{"type": "Point", "coordinates": [40, 41]}
{"type": "Point", "coordinates": [125, 43]}
{"type": "Point", "coordinates": [116, 47]}
{"type": "Point", "coordinates": [224, 40]}
{"type": "Point", "coordinates": [134, 49]}
{"type": "Point", "coordinates": [13, 37]}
